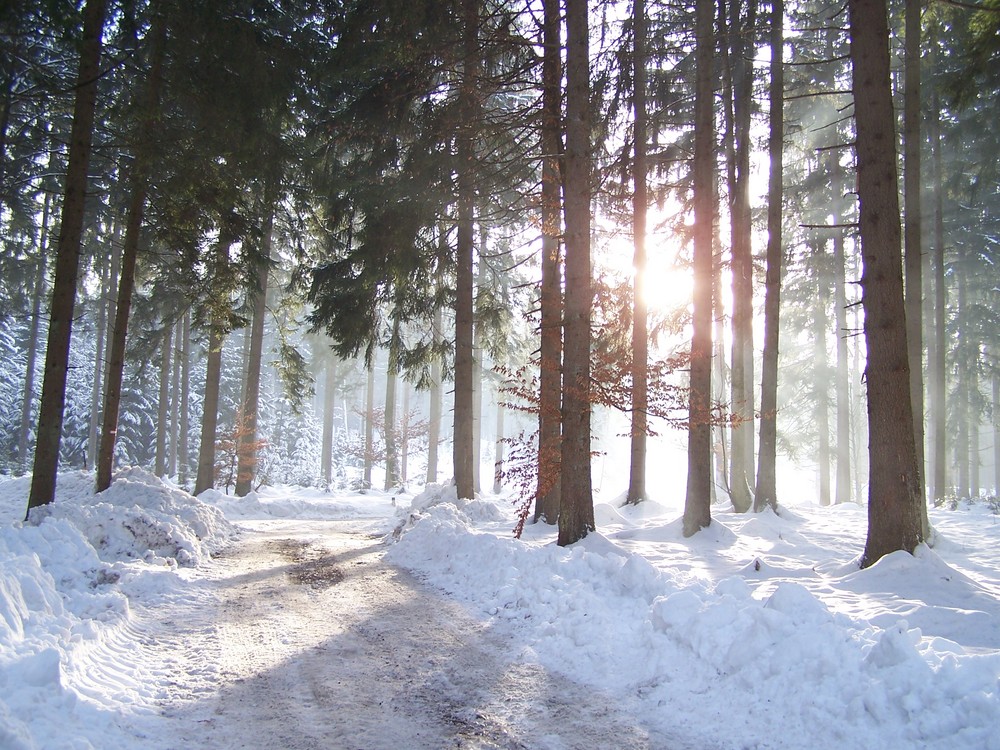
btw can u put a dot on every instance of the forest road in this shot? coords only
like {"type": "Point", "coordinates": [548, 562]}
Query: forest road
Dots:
{"type": "Point", "coordinates": [301, 636]}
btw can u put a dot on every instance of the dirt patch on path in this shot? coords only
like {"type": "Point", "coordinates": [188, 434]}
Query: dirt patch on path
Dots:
{"type": "Point", "coordinates": [302, 637]}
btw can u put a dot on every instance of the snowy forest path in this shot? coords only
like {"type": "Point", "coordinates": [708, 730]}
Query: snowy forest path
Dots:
{"type": "Point", "coordinates": [301, 636]}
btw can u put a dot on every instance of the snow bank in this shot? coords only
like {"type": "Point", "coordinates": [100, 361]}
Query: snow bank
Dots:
{"type": "Point", "coordinates": [713, 663]}
{"type": "Point", "coordinates": [63, 592]}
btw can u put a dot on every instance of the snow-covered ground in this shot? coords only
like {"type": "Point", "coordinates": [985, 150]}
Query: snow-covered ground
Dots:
{"type": "Point", "coordinates": [759, 632]}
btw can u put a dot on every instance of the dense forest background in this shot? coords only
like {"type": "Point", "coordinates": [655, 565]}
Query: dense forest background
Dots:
{"type": "Point", "coordinates": [301, 192]}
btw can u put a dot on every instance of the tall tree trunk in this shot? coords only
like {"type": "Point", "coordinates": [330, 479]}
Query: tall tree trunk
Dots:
{"type": "Point", "coordinates": [404, 438]}
{"type": "Point", "coordinates": [464, 312]}
{"type": "Point", "coordinates": [247, 447]}
{"type": "Point", "coordinates": [741, 468]}
{"type": "Point", "coordinates": [912, 238]}
{"type": "Point", "coordinates": [434, 409]}
{"type": "Point", "coordinates": [53, 400]}
{"type": "Point", "coordinates": [163, 409]}
{"type": "Point", "coordinates": [962, 389]}
{"type": "Point", "coordinates": [720, 378]}
{"type": "Point", "coordinates": [995, 381]}
{"type": "Point", "coordinates": [843, 487]}
{"type": "Point", "coordinates": [213, 380]}
{"type": "Point", "coordinates": [183, 454]}
{"type": "Point", "coordinates": [576, 509]}
{"type": "Point", "coordinates": [939, 373]}
{"type": "Point", "coordinates": [391, 434]}
{"type": "Point", "coordinates": [130, 252]}
{"type": "Point", "coordinates": [640, 325]}
{"type": "Point", "coordinates": [974, 422]}
{"type": "Point", "coordinates": [38, 292]}
{"type": "Point", "coordinates": [499, 448]}
{"type": "Point", "coordinates": [477, 407]}
{"type": "Point", "coordinates": [548, 491]}
{"type": "Point", "coordinates": [766, 493]}
{"type": "Point", "coordinates": [822, 377]}
{"type": "Point", "coordinates": [329, 406]}
{"type": "Point", "coordinates": [697, 502]}
{"type": "Point", "coordinates": [366, 478]}
{"type": "Point", "coordinates": [99, 359]}
{"type": "Point", "coordinates": [895, 497]}
{"type": "Point", "coordinates": [175, 383]}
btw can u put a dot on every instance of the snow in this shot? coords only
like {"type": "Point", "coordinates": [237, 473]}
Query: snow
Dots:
{"type": "Point", "coordinates": [758, 632]}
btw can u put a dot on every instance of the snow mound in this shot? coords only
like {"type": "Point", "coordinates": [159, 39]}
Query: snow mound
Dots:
{"type": "Point", "coordinates": [64, 584]}
{"type": "Point", "coordinates": [675, 641]}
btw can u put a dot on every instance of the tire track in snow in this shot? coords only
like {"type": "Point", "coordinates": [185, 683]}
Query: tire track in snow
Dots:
{"type": "Point", "coordinates": [300, 637]}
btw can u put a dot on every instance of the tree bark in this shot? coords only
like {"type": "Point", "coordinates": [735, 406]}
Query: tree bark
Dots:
{"type": "Point", "coordinates": [389, 426]}
{"type": "Point", "coordinates": [697, 502]}
{"type": "Point", "coordinates": [548, 490]}
{"type": "Point", "coordinates": [247, 447]}
{"type": "Point", "coordinates": [766, 493]}
{"type": "Point", "coordinates": [53, 399]}
{"type": "Point", "coordinates": [130, 253]}
{"type": "Point", "coordinates": [99, 359]}
{"type": "Point", "coordinates": [640, 324]}
{"type": "Point", "coordinates": [464, 312]}
{"type": "Point", "coordinates": [576, 510]}
{"type": "Point", "coordinates": [895, 497]}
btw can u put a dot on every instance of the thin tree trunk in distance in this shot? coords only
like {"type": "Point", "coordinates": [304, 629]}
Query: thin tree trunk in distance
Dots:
{"type": "Point", "coordinates": [38, 292]}
{"type": "Point", "coordinates": [843, 488]}
{"type": "Point", "coordinates": [477, 408]}
{"type": "Point", "coordinates": [576, 510]}
{"type": "Point", "coordinates": [996, 423]}
{"type": "Point", "coordinates": [99, 358]}
{"type": "Point", "coordinates": [548, 490]}
{"type": "Point", "coordinates": [697, 503]}
{"type": "Point", "coordinates": [53, 399]}
{"type": "Point", "coordinates": [369, 426]}
{"type": "Point", "coordinates": [247, 447]}
{"type": "Point", "coordinates": [163, 409]}
{"type": "Point", "coordinates": [390, 431]}
{"type": "Point", "coordinates": [404, 448]}
{"type": "Point", "coordinates": [329, 405]}
{"type": "Point", "coordinates": [962, 386]}
{"type": "Point", "coordinates": [895, 498]}
{"type": "Point", "coordinates": [822, 379]}
{"type": "Point", "coordinates": [183, 455]}
{"type": "Point", "coordinates": [640, 333]}
{"type": "Point", "coordinates": [939, 377]}
{"type": "Point", "coordinates": [498, 450]}
{"type": "Point", "coordinates": [130, 252]}
{"type": "Point", "coordinates": [434, 409]}
{"type": "Point", "coordinates": [973, 415]}
{"type": "Point", "coordinates": [205, 478]}
{"type": "Point", "coordinates": [912, 237]}
{"type": "Point", "coordinates": [175, 381]}
{"type": "Point", "coordinates": [766, 493]}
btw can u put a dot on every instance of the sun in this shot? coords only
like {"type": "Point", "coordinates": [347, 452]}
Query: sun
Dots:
{"type": "Point", "coordinates": [669, 283]}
